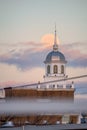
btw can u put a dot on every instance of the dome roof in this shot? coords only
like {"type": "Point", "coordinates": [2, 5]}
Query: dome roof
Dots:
{"type": "Point", "coordinates": [55, 56]}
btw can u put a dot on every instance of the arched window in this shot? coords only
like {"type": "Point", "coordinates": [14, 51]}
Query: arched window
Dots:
{"type": "Point", "coordinates": [55, 69]}
{"type": "Point", "coordinates": [48, 69]}
{"type": "Point", "coordinates": [62, 69]}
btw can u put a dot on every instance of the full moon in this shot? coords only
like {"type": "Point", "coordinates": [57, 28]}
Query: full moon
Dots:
{"type": "Point", "coordinates": [48, 39]}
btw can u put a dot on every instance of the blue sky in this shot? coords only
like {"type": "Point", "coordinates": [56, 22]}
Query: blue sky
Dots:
{"type": "Point", "coordinates": [23, 23]}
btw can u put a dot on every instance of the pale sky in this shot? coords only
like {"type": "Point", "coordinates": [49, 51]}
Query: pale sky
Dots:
{"type": "Point", "coordinates": [29, 20]}
{"type": "Point", "coordinates": [23, 25]}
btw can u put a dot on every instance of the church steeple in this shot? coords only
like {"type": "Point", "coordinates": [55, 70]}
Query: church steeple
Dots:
{"type": "Point", "coordinates": [55, 40]}
{"type": "Point", "coordinates": [55, 46]}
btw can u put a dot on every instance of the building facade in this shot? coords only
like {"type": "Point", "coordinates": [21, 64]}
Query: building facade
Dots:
{"type": "Point", "coordinates": [55, 79]}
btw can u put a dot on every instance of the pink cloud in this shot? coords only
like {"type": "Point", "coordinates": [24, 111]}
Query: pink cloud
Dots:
{"type": "Point", "coordinates": [26, 56]}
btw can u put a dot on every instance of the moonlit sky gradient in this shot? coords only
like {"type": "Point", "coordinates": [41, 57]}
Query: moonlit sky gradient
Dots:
{"type": "Point", "coordinates": [24, 23]}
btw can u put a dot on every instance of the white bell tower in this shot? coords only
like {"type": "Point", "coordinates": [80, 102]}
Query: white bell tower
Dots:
{"type": "Point", "coordinates": [55, 64]}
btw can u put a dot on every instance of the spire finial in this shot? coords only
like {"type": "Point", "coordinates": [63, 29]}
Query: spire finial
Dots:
{"type": "Point", "coordinates": [55, 46]}
{"type": "Point", "coordinates": [55, 41]}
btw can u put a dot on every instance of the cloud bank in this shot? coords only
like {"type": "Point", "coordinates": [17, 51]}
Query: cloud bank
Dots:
{"type": "Point", "coordinates": [23, 55]}
{"type": "Point", "coordinates": [30, 54]}
{"type": "Point", "coordinates": [76, 54]}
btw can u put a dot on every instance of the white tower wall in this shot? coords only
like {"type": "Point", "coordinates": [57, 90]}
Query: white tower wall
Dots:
{"type": "Point", "coordinates": [57, 59]}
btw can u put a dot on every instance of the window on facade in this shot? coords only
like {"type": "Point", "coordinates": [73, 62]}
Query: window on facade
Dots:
{"type": "Point", "coordinates": [55, 69]}
{"type": "Point", "coordinates": [65, 119]}
{"type": "Point", "coordinates": [53, 85]}
{"type": "Point", "coordinates": [62, 69]}
{"type": "Point", "coordinates": [48, 69]}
